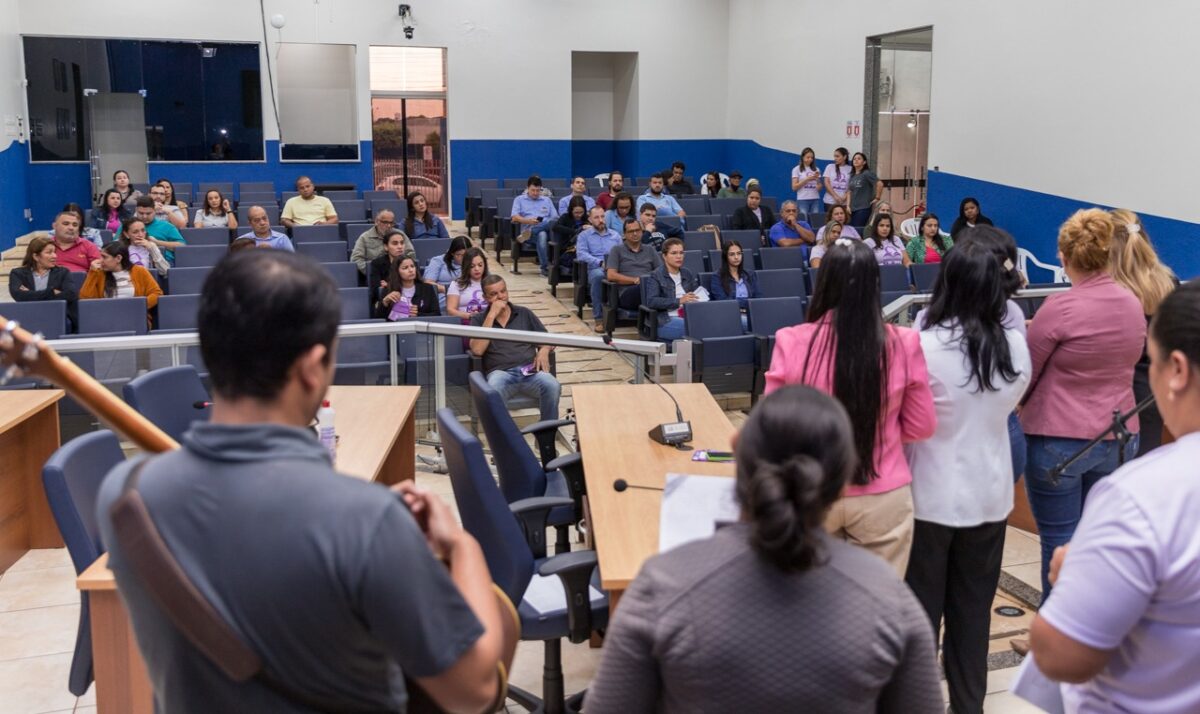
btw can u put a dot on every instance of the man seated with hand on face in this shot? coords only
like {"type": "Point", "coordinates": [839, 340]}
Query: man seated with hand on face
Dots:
{"type": "Point", "coordinates": [790, 232]}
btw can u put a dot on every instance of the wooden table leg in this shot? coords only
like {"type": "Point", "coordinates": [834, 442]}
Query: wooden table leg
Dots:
{"type": "Point", "coordinates": [122, 683]}
{"type": "Point", "coordinates": [401, 462]}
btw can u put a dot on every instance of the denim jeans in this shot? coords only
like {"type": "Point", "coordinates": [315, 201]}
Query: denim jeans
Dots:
{"type": "Point", "coordinates": [671, 331]}
{"type": "Point", "coordinates": [539, 385]}
{"type": "Point", "coordinates": [1057, 506]}
{"type": "Point", "coordinates": [860, 216]}
{"type": "Point", "coordinates": [541, 234]}
{"type": "Point", "coordinates": [596, 288]}
{"type": "Point", "coordinates": [812, 206]}
{"type": "Point", "coordinates": [1016, 443]}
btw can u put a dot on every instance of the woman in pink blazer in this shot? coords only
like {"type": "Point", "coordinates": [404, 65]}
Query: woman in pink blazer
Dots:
{"type": "Point", "coordinates": [881, 380]}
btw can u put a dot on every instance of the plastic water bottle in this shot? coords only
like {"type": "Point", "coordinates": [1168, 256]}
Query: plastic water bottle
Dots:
{"type": "Point", "coordinates": [325, 430]}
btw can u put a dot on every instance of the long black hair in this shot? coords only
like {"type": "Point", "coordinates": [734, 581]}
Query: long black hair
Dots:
{"type": "Point", "coordinates": [727, 282]}
{"type": "Point", "coordinates": [408, 219]}
{"type": "Point", "coordinates": [1176, 324]}
{"type": "Point", "coordinates": [961, 222]}
{"type": "Point", "coordinates": [789, 471]}
{"type": "Point", "coordinates": [855, 341]}
{"type": "Point", "coordinates": [457, 243]}
{"type": "Point", "coordinates": [464, 278]}
{"type": "Point", "coordinates": [1004, 247]}
{"type": "Point", "coordinates": [939, 238]}
{"type": "Point", "coordinates": [969, 298]}
{"type": "Point", "coordinates": [102, 208]}
{"type": "Point", "coordinates": [120, 250]}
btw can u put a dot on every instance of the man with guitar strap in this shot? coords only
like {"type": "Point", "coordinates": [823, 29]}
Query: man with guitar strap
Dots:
{"type": "Point", "coordinates": [333, 591]}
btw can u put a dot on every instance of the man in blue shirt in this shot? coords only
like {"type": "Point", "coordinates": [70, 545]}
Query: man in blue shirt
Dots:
{"type": "Point", "coordinates": [660, 199]}
{"type": "Point", "coordinates": [163, 234]}
{"type": "Point", "coordinates": [578, 188]}
{"type": "Point", "coordinates": [790, 232]}
{"type": "Point", "coordinates": [592, 245]}
{"type": "Point", "coordinates": [534, 215]}
{"type": "Point", "coordinates": [262, 235]}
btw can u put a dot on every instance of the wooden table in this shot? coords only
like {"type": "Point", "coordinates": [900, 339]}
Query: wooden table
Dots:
{"type": "Point", "coordinates": [612, 423]}
{"type": "Point", "coordinates": [376, 429]}
{"type": "Point", "coordinates": [28, 436]}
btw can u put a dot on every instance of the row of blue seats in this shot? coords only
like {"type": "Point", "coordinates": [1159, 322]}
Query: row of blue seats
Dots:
{"type": "Point", "coordinates": [475, 186]}
{"type": "Point", "coordinates": [186, 191]}
{"type": "Point", "coordinates": [345, 231]}
{"type": "Point", "coordinates": [372, 200]}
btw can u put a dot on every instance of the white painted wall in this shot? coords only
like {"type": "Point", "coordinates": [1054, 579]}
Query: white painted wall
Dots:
{"type": "Point", "coordinates": [12, 94]}
{"type": "Point", "coordinates": [592, 100]}
{"type": "Point", "coordinates": [508, 63]}
{"type": "Point", "coordinates": [1090, 100]}
{"type": "Point", "coordinates": [316, 93]}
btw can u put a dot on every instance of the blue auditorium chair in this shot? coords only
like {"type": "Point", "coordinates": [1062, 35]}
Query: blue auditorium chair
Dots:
{"type": "Point", "coordinates": [168, 397]}
{"type": "Point", "coordinates": [245, 187]}
{"type": "Point", "coordinates": [749, 238]}
{"type": "Point", "coordinates": [343, 195]}
{"type": "Point", "coordinates": [696, 220]}
{"type": "Point", "coordinates": [225, 187]}
{"type": "Point", "coordinates": [251, 198]}
{"type": "Point", "coordinates": [177, 312]}
{"type": "Point", "coordinates": [723, 357]}
{"type": "Point", "coordinates": [398, 206]}
{"type": "Point", "coordinates": [699, 240]}
{"type": "Point", "coordinates": [72, 478]}
{"type": "Point", "coordinates": [782, 258]}
{"type": "Point", "coordinates": [350, 210]}
{"type": "Point", "coordinates": [725, 206]}
{"type": "Point", "coordinates": [925, 275]}
{"type": "Point", "coordinates": [894, 278]}
{"type": "Point", "coordinates": [694, 205]}
{"type": "Point", "coordinates": [324, 233]}
{"type": "Point", "coordinates": [330, 252]}
{"type": "Point", "coordinates": [768, 316]}
{"type": "Point", "coordinates": [198, 256]}
{"type": "Point", "coordinates": [508, 535]}
{"type": "Point", "coordinates": [206, 236]}
{"type": "Point", "coordinates": [113, 315]}
{"type": "Point", "coordinates": [350, 231]}
{"type": "Point", "coordinates": [244, 213]}
{"type": "Point", "coordinates": [187, 281]}
{"type": "Point", "coordinates": [427, 248]}
{"type": "Point", "coordinates": [517, 183]}
{"type": "Point", "coordinates": [48, 317]}
{"type": "Point", "coordinates": [811, 285]}
{"type": "Point", "coordinates": [693, 260]}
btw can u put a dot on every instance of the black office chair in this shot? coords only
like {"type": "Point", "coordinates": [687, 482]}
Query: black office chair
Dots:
{"type": "Point", "coordinates": [524, 573]}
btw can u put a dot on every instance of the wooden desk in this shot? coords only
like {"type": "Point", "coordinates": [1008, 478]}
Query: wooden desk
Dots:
{"type": "Point", "coordinates": [28, 436]}
{"type": "Point", "coordinates": [377, 441]}
{"type": "Point", "coordinates": [612, 423]}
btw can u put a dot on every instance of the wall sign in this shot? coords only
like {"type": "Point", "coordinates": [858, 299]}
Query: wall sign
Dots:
{"type": "Point", "coordinates": [853, 128]}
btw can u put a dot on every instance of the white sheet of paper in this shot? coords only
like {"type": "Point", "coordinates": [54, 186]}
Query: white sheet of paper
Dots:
{"type": "Point", "coordinates": [1032, 686]}
{"type": "Point", "coordinates": [692, 506]}
{"type": "Point", "coordinates": [701, 294]}
{"type": "Point", "coordinates": [545, 593]}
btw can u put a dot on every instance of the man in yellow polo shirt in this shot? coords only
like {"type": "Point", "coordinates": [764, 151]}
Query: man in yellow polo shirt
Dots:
{"type": "Point", "coordinates": [307, 209]}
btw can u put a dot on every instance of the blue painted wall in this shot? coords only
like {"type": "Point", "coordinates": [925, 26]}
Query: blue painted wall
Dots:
{"type": "Point", "coordinates": [13, 163]}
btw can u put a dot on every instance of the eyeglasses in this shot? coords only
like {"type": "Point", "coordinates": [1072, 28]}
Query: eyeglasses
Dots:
{"type": "Point", "coordinates": [386, 223]}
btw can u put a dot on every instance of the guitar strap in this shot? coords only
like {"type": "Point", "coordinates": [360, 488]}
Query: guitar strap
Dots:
{"type": "Point", "coordinates": [147, 556]}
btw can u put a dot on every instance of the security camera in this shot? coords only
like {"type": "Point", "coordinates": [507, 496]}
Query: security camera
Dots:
{"type": "Point", "coordinates": [406, 17]}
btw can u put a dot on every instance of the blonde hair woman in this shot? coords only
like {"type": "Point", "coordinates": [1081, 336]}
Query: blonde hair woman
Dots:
{"type": "Point", "coordinates": [1135, 265]}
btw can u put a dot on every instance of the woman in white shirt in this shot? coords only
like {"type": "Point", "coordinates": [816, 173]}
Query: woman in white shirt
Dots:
{"type": "Point", "coordinates": [837, 179]}
{"type": "Point", "coordinates": [962, 476]}
{"type": "Point", "coordinates": [1123, 621]}
{"type": "Point", "coordinates": [216, 212]}
{"type": "Point", "coordinates": [464, 297]}
{"type": "Point", "coordinates": [806, 182]}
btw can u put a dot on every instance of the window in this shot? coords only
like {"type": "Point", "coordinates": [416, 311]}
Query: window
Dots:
{"type": "Point", "coordinates": [408, 69]}
{"type": "Point", "coordinates": [317, 114]}
{"type": "Point", "coordinates": [203, 102]}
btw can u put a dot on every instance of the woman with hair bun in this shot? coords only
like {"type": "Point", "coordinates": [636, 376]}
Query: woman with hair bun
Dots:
{"type": "Point", "coordinates": [1084, 344]}
{"type": "Point", "coordinates": [1136, 266]}
{"type": "Point", "coordinates": [771, 614]}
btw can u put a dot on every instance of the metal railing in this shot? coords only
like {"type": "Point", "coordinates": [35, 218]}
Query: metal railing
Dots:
{"type": "Point", "coordinates": [898, 310]}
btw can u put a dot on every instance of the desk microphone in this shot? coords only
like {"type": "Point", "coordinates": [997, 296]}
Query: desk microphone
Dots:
{"type": "Point", "coordinates": [621, 485]}
{"type": "Point", "coordinates": [201, 405]}
{"type": "Point", "coordinates": [675, 433]}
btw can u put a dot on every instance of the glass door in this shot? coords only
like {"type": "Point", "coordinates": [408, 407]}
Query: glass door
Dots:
{"type": "Point", "coordinates": [409, 140]}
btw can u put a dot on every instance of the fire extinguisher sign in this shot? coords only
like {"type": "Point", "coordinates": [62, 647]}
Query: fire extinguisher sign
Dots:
{"type": "Point", "coordinates": [853, 128]}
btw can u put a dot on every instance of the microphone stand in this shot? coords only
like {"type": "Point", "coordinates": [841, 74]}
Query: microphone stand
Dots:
{"type": "Point", "coordinates": [1117, 429]}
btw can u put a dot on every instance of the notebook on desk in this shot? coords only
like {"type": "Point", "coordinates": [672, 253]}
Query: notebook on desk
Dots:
{"type": "Point", "coordinates": [693, 507]}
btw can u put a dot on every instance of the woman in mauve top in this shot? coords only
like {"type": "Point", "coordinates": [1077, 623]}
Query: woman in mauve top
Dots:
{"type": "Point", "coordinates": [1084, 344]}
{"type": "Point", "coordinates": [882, 381]}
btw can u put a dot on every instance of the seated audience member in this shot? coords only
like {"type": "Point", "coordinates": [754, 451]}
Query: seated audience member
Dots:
{"type": "Point", "coordinates": [629, 262]}
{"type": "Point", "coordinates": [734, 281]}
{"type": "Point", "coordinates": [969, 216]}
{"type": "Point", "coordinates": [445, 269]}
{"type": "Point", "coordinates": [142, 250]}
{"type": "Point", "coordinates": [622, 207]}
{"type": "Point", "coordinates": [216, 212]}
{"type": "Point", "coordinates": [790, 231]}
{"type": "Point", "coordinates": [166, 207]}
{"type": "Point", "coordinates": [109, 213]}
{"type": "Point", "coordinates": [830, 234]}
{"type": "Point", "coordinates": [308, 209]}
{"type": "Point", "coordinates": [670, 288]}
{"type": "Point", "coordinates": [675, 182]}
{"type": "Point", "coordinates": [571, 221]}
{"type": "Point", "coordinates": [734, 189]}
{"type": "Point", "coordinates": [402, 294]}
{"type": "Point", "coordinates": [755, 215]}
{"type": "Point", "coordinates": [888, 246]}
{"type": "Point", "coordinates": [1120, 628]}
{"type": "Point", "coordinates": [712, 184]}
{"type": "Point", "coordinates": [129, 194]}
{"type": "Point", "coordinates": [962, 476]}
{"type": "Point", "coordinates": [578, 188]}
{"type": "Point", "coordinates": [930, 244]}
{"type": "Point", "coordinates": [166, 236]}
{"type": "Point", "coordinates": [379, 270]}
{"type": "Point", "coordinates": [262, 234]}
{"type": "Point", "coordinates": [616, 185]}
{"type": "Point", "coordinates": [881, 208]}
{"type": "Point", "coordinates": [40, 278]}
{"type": "Point", "coordinates": [86, 232]}
{"type": "Point", "coordinates": [464, 297]}
{"type": "Point", "coordinates": [371, 243]}
{"type": "Point", "coordinates": [533, 215]}
{"type": "Point", "coordinates": [591, 247]}
{"type": "Point", "coordinates": [878, 372]}
{"type": "Point", "coordinates": [1085, 343]}
{"type": "Point", "coordinates": [806, 182]}
{"type": "Point", "coordinates": [72, 252]}
{"type": "Point", "coordinates": [515, 368]}
{"type": "Point", "coordinates": [243, 243]}
{"type": "Point", "coordinates": [1136, 266]}
{"type": "Point", "coordinates": [112, 275]}
{"type": "Point", "coordinates": [655, 232]}
{"type": "Point", "coordinates": [253, 513]}
{"type": "Point", "coordinates": [420, 221]}
{"type": "Point", "coordinates": [864, 188]}
{"type": "Point", "coordinates": [655, 196]}
{"type": "Point", "coordinates": [839, 214]}
{"type": "Point", "coordinates": [867, 646]}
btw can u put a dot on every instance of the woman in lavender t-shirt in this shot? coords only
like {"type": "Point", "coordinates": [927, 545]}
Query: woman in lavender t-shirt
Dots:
{"type": "Point", "coordinates": [464, 297]}
{"type": "Point", "coordinates": [888, 247]}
